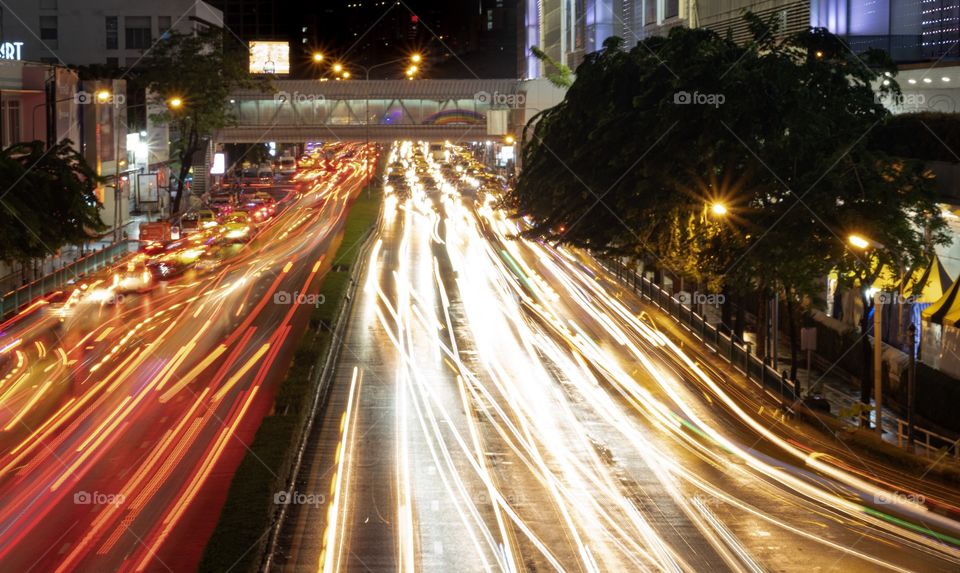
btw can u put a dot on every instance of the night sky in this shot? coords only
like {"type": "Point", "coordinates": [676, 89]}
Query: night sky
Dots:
{"type": "Point", "coordinates": [460, 38]}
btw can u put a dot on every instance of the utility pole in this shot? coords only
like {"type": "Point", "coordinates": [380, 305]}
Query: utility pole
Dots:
{"type": "Point", "coordinates": [878, 360]}
{"type": "Point", "coordinates": [911, 381]}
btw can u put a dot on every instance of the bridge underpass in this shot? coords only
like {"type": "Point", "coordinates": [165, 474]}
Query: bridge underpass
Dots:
{"type": "Point", "coordinates": [295, 111]}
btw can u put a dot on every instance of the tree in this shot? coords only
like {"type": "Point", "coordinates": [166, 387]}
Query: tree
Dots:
{"type": "Point", "coordinates": [776, 130]}
{"type": "Point", "coordinates": [191, 76]}
{"type": "Point", "coordinates": [48, 200]}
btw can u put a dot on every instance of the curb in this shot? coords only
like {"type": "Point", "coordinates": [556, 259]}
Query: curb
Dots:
{"type": "Point", "coordinates": [322, 383]}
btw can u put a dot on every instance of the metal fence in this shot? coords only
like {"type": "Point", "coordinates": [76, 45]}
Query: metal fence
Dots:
{"type": "Point", "coordinates": [14, 300]}
{"type": "Point", "coordinates": [737, 353]}
{"type": "Point", "coordinates": [927, 443]}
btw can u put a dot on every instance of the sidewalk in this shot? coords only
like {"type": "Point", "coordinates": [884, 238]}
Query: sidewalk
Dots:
{"type": "Point", "coordinates": [68, 255]}
{"type": "Point", "coordinates": [837, 387]}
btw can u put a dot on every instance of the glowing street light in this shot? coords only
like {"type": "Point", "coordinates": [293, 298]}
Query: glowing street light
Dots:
{"type": "Point", "coordinates": [862, 243]}
{"type": "Point", "coordinates": [416, 58]}
{"type": "Point", "coordinates": [346, 75]}
{"type": "Point", "coordinates": [719, 209]}
{"type": "Point", "coordinates": [175, 102]}
{"type": "Point", "coordinates": [509, 140]}
{"type": "Point", "coordinates": [103, 96]}
{"type": "Point", "coordinates": [338, 67]}
{"type": "Point", "coordinates": [317, 57]}
{"type": "Point", "coordinates": [859, 242]}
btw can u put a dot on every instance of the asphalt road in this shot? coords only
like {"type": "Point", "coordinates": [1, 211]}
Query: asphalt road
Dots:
{"type": "Point", "coordinates": [124, 415]}
{"type": "Point", "coordinates": [501, 404]}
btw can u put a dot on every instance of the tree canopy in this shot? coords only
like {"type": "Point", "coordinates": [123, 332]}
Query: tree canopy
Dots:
{"type": "Point", "coordinates": [48, 200]}
{"type": "Point", "coordinates": [647, 140]}
{"type": "Point", "coordinates": [200, 70]}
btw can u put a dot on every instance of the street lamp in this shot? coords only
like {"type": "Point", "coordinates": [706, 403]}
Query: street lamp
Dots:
{"type": "Point", "coordinates": [862, 243]}
{"type": "Point", "coordinates": [175, 102]}
{"type": "Point", "coordinates": [317, 57]}
{"type": "Point", "coordinates": [509, 140]}
{"type": "Point", "coordinates": [718, 209]}
{"type": "Point", "coordinates": [415, 58]}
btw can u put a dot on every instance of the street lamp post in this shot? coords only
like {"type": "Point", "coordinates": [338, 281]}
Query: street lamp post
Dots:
{"type": "Point", "coordinates": [863, 244]}
{"type": "Point", "coordinates": [104, 96]}
{"type": "Point", "coordinates": [911, 381]}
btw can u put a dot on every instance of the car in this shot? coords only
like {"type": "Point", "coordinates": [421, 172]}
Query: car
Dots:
{"type": "Point", "coordinates": [237, 227]}
{"type": "Point", "coordinates": [257, 210]}
{"type": "Point", "coordinates": [288, 165]}
{"type": "Point", "coordinates": [265, 172]}
{"type": "Point", "coordinates": [221, 204]}
{"type": "Point", "coordinates": [134, 276]}
{"type": "Point", "coordinates": [193, 221]}
{"type": "Point", "coordinates": [174, 264]}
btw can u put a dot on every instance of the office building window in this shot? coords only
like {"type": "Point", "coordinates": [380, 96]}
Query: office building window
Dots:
{"type": "Point", "coordinates": [48, 28]}
{"type": "Point", "coordinates": [671, 9]}
{"type": "Point", "coordinates": [164, 23]}
{"type": "Point", "coordinates": [113, 34]}
{"type": "Point", "coordinates": [138, 36]}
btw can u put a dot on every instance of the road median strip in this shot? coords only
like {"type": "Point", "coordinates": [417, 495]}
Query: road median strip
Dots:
{"type": "Point", "coordinates": [249, 523]}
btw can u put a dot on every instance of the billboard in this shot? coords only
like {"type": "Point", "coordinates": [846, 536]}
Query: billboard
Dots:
{"type": "Point", "coordinates": [269, 57]}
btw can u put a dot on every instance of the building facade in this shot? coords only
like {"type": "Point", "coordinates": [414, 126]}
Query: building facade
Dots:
{"type": "Point", "coordinates": [85, 32]}
{"type": "Point", "coordinates": [54, 34]}
{"type": "Point", "coordinates": [567, 30]}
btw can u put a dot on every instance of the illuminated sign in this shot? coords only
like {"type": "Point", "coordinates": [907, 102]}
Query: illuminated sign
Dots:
{"type": "Point", "coordinates": [269, 57]}
{"type": "Point", "coordinates": [219, 164]}
{"type": "Point", "coordinates": [10, 50]}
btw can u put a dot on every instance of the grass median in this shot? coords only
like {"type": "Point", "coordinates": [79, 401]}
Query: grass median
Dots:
{"type": "Point", "coordinates": [242, 531]}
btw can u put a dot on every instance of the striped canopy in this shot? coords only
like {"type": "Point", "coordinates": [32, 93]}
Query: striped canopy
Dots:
{"type": "Point", "coordinates": [946, 310]}
{"type": "Point", "coordinates": [928, 285]}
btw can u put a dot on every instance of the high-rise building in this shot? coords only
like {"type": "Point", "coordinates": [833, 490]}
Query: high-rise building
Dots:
{"type": "Point", "coordinates": [910, 30]}
{"type": "Point", "coordinates": [566, 30]}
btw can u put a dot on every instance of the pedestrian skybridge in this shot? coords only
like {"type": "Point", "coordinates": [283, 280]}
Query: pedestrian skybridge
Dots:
{"type": "Point", "coordinates": [379, 110]}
